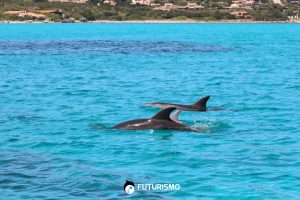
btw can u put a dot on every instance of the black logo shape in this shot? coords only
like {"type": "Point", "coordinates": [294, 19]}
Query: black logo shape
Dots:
{"type": "Point", "coordinates": [129, 187]}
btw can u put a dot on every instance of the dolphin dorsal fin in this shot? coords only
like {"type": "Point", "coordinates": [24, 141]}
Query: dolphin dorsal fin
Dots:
{"type": "Point", "coordinates": [174, 117]}
{"type": "Point", "coordinates": [202, 102]}
{"type": "Point", "coordinates": [164, 114]}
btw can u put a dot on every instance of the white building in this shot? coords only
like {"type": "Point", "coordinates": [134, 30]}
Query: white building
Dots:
{"type": "Point", "coordinates": [278, 2]}
{"type": "Point", "coordinates": [110, 2]}
{"type": "Point", "coordinates": [194, 6]}
{"type": "Point", "coordinates": [141, 2]}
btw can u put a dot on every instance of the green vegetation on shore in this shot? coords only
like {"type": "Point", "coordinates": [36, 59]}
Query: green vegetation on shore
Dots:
{"type": "Point", "coordinates": [97, 10]}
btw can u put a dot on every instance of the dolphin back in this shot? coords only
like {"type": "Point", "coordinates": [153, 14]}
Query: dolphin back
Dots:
{"type": "Point", "coordinates": [202, 102]}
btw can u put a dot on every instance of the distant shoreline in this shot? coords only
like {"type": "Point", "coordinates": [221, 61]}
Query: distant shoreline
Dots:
{"type": "Point", "coordinates": [158, 22]}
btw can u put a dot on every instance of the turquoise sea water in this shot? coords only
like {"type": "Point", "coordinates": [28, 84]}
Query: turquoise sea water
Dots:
{"type": "Point", "coordinates": [63, 85]}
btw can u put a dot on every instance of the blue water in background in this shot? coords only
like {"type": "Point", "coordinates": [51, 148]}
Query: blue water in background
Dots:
{"type": "Point", "coordinates": [63, 85]}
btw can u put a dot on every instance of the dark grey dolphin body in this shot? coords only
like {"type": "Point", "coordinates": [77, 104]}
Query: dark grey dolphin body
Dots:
{"type": "Point", "coordinates": [198, 106]}
{"type": "Point", "coordinates": [160, 121]}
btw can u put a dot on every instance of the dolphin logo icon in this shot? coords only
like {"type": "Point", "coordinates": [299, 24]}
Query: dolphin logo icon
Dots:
{"type": "Point", "coordinates": [129, 187]}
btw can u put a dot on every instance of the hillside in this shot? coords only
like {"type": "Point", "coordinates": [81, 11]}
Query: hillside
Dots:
{"type": "Point", "coordinates": [41, 10]}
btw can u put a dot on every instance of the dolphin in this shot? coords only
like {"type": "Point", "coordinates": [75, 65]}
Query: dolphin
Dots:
{"type": "Point", "coordinates": [174, 116]}
{"type": "Point", "coordinates": [200, 105]}
{"type": "Point", "coordinates": [160, 121]}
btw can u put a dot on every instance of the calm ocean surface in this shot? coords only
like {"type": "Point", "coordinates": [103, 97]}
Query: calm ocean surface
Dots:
{"type": "Point", "coordinates": [63, 85]}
